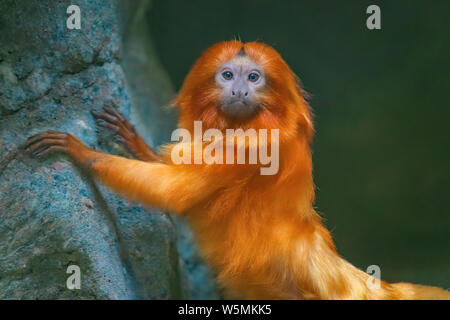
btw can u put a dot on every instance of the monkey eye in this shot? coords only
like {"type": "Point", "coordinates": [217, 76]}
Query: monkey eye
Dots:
{"type": "Point", "coordinates": [227, 75]}
{"type": "Point", "coordinates": [253, 77]}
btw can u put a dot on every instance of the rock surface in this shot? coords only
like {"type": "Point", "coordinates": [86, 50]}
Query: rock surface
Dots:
{"type": "Point", "coordinates": [51, 214]}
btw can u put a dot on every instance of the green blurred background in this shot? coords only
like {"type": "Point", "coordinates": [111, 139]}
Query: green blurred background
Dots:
{"type": "Point", "coordinates": [381, 105]}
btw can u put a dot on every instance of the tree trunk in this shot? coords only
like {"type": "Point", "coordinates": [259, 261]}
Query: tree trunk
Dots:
{"type": "Point", "coordinates": [52, 215]}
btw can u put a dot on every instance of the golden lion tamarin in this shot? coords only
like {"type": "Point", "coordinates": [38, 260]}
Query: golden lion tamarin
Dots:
{"type": "Point", "coordinates": [260, 233]}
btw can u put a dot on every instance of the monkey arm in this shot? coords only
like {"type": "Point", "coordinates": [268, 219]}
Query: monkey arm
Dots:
{"type": "Point", "coordinates": [168, 187]}
{"type": "Point", "coordinates": [112, 119]}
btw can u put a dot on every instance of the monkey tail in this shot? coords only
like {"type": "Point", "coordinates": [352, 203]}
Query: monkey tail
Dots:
{"type": "Point", "coordinates": [409, 291]}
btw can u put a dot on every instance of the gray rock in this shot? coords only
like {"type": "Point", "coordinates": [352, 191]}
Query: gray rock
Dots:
{"type": "Point", "coordinates": [52, 215]}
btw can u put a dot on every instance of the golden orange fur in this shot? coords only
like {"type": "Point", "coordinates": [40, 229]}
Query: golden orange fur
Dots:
{"type": "Point", "coordinates": [259, 233]}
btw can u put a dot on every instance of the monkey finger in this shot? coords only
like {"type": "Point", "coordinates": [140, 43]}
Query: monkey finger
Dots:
{"type": "Point", "coordinates": [105, 124]}
{"type": "Point", "coordinates": [45, 142]}
{"type": "Point", "coordinates": [114, 112]}
{"type": "Point", "coordinates": [110, 121]}
{"type": "Point", "coordinates": [104, 116]}
{"type": "Point", "coordinates": [108, 111]}
{"type": "Point", "coordinates": [118, 127]}
{"type": "Point", "coordinates": [120, 139]}
{"type": "Point", "coordinates": [38, 150]}
{"type": "Point", "coordinates": [44, 151]}
{"type": "Point", "coordinates": [44, 135]}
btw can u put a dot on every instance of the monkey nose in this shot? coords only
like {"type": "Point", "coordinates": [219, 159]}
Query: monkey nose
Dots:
{"type": "Point", "coordinates": [239, 93]}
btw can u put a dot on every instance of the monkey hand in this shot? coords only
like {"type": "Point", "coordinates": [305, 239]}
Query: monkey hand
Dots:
{"type": "Point", "coordinates": [126, 134]}
{"type": "Point", "coordinates": [46, 142]}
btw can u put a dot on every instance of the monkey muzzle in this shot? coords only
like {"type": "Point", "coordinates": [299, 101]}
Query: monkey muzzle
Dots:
{"type": "Point", "coordinates": [239, 107]}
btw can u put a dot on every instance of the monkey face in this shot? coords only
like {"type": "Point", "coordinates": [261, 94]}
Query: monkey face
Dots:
{"type": "Point", "coordinates": [240, 81]}
{"type": "Point", "coordinates": [244, 85]}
